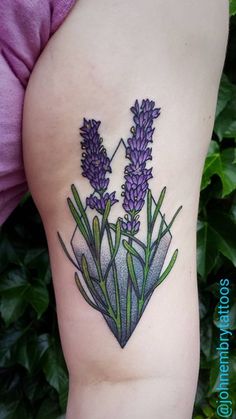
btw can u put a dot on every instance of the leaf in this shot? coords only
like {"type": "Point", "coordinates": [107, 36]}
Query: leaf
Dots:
{"type": "Point", "coordinates": [11, 308]}
{"type": "Point", "coordinates": [84, 294]}
{"type": "Point", "coordinates": [225, 229]}
{"type": "Point", "coordinates": [208, 411]}
{"type": "Point", "coordinates": [37, 295]}
{"type": "Point", "coordinates": [224, 95]}
{"type": "Point", "coordinates": [97, 235]}
{"type": "Point", "coordinates": [78, 220]}
{"type": "Point", "coordinates": [8, 254]}
{"type": "Point", "coordinates": [116, 247]}
{"type": "Point", "coordinates": [81, 208]}
{"type": "Point", "coordinates": [164, 274]}
{"type": "Point", "coordinates": [48, 410]}
{"type": "Point", "coordinates": [232, 7]}
{"type": "Point", "coordinates": [12, 409]}
{"type": "Point", "coordinates": [30, 353]}
{"type": "Point", "coordinates": [132, 273]}
{"type": "Point", "coordinates": [220, 164]}
{"type": "Point", "coordinates": [158, 205]}
{"type": "Point", "coordinates": [117, 237]}
{"type": "Point", "coordinates": [8, 341]}
{"type": "Point", "coordinates": [14, 283]}
{"type": "Point", "coordinates": [35, 387]}
{"type": "Point", "coordinates": [33, 255]}
{"type": "Point", "coordinates": [149, 208]}
{"type": "Point", "coordinates": [207, 250]}
{"type": "Point", "coordinates": [225, 123]}
{"type": "Point", "coordinates": [229, 170]}
{"type": "Point", "coordinates": [66, 251]}
{"type": "Point", "coordinates": [13, 289]}
{"type": "Point", "coordinates": [171, 222]}
{"type": "Point", "coordinates": [38, 260]}
{"type": "Point", "coordinates": [105, 216]}
{"type": "Point", "coordinates": [127, 234]}
{"type": "Point", "coordinates": [206, 337]}
{"type": "Point", "coordinates": [133, 251]}
{"type": "Point", "coordinates": [55, 371]}
{"type": "Point", "coordinates": [214, 236]}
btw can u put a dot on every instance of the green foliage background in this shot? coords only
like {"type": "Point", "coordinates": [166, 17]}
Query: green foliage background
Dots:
{"type": "Point", "coordinates": [33, 376]}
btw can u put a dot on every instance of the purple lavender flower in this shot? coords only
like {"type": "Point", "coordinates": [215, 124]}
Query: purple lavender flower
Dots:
{"type": "Point", "coordinates": [95, 165]}
{"type": "Point", "coordinates": [138, 152]}
{"type": "Point", "coordinates": [100, 203]}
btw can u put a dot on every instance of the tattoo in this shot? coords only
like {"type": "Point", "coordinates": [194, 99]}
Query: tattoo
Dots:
{"type": "Point", "coordinates": [119, 264]}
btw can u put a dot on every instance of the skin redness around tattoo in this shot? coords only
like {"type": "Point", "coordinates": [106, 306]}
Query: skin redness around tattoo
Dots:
{"type": "Point", "coordinates": [120, 260]}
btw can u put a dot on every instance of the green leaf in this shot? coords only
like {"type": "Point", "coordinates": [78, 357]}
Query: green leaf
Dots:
{"type": "Point", "coordinates": [127, 234]}
{"type": "Point", "coordinates": [55, 371]}
{"type": "Point", "coordinates": [132, 273]}
{"type": "Point", "coordinates": [48, 410]}
{"type": "Point", "coordinates": [29, 354]}
{"type": "Point", "coordinates": [171, 222]}
{"type": "Point", "coordinates": [214, 236]}
{"type": "Point", "coordinates": [81, 208]}
{"type": "Point", "coordinates": [149, 209]}
{"type": "Point", "coordinates": [158, 205]}
{"type": "Point", "coordinates": [225, 123]}
{"type": "Point", "coordinates": [229, 171]}
{"type": "Point", "coordinates": [116, 247]}
{"type": "Point", "coordinates": [164, 274]}
{"type": "Point", "coordinates": [208, 411]}
{"type": "Point", "coordinates": [97, 235]}
{"type": "Point", "coordinates": [224, 95]}
{"type": "Point", "coordinates": [105, 216]}
{"type": "Point", "coordinates": [117, 237]}
{"type": "Point", "coordinates": [206, 337]}
{"type": "Point", "coordinates": [8, 254]}
{"type": "Point", "coordinates": [13, 289]}
{"type": "Point", "coordinates": [232, 7]}
{"type": "Point", "coordinates": [78, 220]}
{"type": "Point", "coordinates": [11, 308]}
{"type": "Point", "coordinates": [132, 250]}
{"type": "Point", "coordinates": [207, 250]}
{"type": "Point", "coordinates": [12, 409]}
{"type": "Point", "coordinates": [84, 294]}
{"type": "Point", "coordinates": [225, 229]}
{"type": "Point", "coordinates": [8, 342]}
{"type": "Point", "coordinates": [168, 268]}
{"type": "Point", "coordinates": [37, 295]}
{"type": "Point", "coordinates": [14, 283]}
{"type": "Point", "coordinates": [220, 164]}
{"type": "Point", "coordinates": [66, 251]}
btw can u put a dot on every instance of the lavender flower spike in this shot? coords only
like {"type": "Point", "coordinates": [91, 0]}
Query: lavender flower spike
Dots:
{"type": "Point", "coordinates": [95, 165]}
{"type": "Point", "coordinates": [138, 152]}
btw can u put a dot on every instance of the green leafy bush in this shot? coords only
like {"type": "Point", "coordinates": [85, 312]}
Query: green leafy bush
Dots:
{"type": "Point", "coordinates": [33, 375]}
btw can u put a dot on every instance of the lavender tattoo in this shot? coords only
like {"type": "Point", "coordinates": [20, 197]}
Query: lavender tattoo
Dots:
{"type": "Point", "coordinates": [136, 173]}
{"type": "Point", "coordinates": [117, 270]}
{"type": "Point", "coordinates": [95, 165]}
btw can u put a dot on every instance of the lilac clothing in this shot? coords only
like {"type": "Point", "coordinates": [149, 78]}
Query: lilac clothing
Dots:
{"type": "Point", "coordinates": [25, 28]}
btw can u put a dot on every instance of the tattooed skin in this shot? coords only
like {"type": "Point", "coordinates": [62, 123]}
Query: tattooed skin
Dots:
{"type": "Point", "coordinates": [120, 261]}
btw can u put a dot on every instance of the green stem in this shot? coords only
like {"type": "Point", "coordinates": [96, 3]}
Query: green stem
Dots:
{"type": "Point", "coordinates": [115, 276]}
{"type": "Point", "coordinates": [102, 283]}
{"type": "Point", "coordinates": [150, 226]}
{"type": "Point", "coordinates": [128, 301]}
{"type": "Point", "coordinates": [145, 272]}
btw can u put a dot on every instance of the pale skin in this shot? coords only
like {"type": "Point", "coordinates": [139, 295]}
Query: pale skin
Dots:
{"type": "Point", "coordinates": [104, 56]}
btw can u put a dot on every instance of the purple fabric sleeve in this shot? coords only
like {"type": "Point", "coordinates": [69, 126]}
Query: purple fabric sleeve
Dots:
{"type": "Point", "coordinates": [25, 28]}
